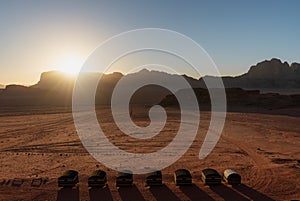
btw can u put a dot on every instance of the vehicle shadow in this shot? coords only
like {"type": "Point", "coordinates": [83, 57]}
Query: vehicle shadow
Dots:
{"type": "Point", "coordinates": [130, 194]}
{"type": "Point", "coordinates": [252, 193]}
{"type": "Point", "coordinates": [97, 194]}
{"type": "Point", "coordinates": [163, 193]}
{"type": "Point", "coordinates": [68, 194]}
{"type": "Point", "coordinates": [227, 193]}
{"type": "Point", "coordinates": [194, 193]}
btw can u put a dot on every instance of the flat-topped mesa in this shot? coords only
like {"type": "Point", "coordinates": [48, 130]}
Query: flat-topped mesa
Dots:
{"type": "Point", "coordinates": [54, 79]}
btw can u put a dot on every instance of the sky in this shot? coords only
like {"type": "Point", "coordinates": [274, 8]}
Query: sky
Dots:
{"type": "Point", "coordinates": [38, 36]}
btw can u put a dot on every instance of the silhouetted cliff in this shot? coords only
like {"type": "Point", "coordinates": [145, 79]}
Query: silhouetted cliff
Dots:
{"type": "Point", "coordinates": [270, 75]}
{"type": "Point", "coordinates": [56, 88]}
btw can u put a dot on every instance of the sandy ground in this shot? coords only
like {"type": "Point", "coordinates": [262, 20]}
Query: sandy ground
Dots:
{"type": "Point", "coordinates": [262, 148]}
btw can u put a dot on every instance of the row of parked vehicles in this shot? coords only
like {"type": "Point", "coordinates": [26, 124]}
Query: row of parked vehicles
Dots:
{"type": "Point", "coordinates": [181, 177]}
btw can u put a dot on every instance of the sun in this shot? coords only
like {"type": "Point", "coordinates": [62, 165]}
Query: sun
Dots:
{"type": "Point", "coordinates": [71, 65]}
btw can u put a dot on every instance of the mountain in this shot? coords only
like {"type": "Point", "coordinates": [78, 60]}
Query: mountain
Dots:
{"type": "Point", "coordinates": [238, 100]}
{"type": "Point", "coordinates": [270, 75]}
{"type": "Point", "coordinates": [152, 94]}
{"type": "Point", "coordinates": [54, 80]}
{"type": "Point", "coordinates": [55, 88]}
{"type": "Point", "coordinates": [274, 69]}
{"type": "Point", "coordinates": [59, 85]}
{"type": "Point", "coordinates": [267, 75]}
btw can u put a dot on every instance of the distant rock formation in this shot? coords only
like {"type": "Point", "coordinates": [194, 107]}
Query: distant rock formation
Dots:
{"type": "Point", "coordinates": [272, 75]}
{"type": "Point", "coordinates": [2, 86]}
{"type": "Point", "coordinates": [59, 85]}
{"type": "Point", "coordinates": [56, 88]}
{"type": "Point", "coordinates": [274, 70]}
{"type": "Point", "coordinates": [238, 99]}
{"type": "Point", "coordinates": [54, 80]}
{"type": "Point", "coordinates": [269, 74]}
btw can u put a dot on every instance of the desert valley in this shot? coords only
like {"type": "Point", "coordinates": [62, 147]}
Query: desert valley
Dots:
{"type": "Point", "coordinates": [260, 140]}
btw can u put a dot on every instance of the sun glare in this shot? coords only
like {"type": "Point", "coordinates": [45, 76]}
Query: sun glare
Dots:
{"type": "Point", "coordinates": [71, 65]}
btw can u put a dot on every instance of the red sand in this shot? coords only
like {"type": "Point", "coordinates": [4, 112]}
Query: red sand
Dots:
{"type": "Point", "coordinates": [262, 148]}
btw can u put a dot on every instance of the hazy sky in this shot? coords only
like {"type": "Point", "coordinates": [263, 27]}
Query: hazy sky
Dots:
{"type": "Point", "coordinates": [36, 36]}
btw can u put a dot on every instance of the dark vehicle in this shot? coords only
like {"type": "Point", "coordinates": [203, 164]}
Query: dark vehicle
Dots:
{"type": "Point", "coordinates": [97, 179]}
{"type": "Point", "coordinates": [182, 177]}
{"type": "Point", "coordinates": [232, 177]}
{"type": "Point", "coordinates": [124, 179]}
{"type": "Point", "coordinates": [210, 177]}
{"type": "Point", "coordinates": [68, 179]}
{"type": "Point", "coordinates": [298, 164]}
{"type": "Point", "coordinates": [154, 179]}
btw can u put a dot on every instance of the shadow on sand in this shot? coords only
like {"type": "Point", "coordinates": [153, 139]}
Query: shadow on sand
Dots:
{"type": "Point", "coordinates": [227, 193]}
{"type": "Point", "coordinates": [68, 194]}
{"type": "Point", "coordinates": [163, 193]}
{"type": "Point", "coordinates": [97, 194]}
{"type": "Point", "coordinates": [194, 193]}
{"type": "Point", "coordinates": [130, 194]}
{"type": "Point", "coordinates": [251, 193]}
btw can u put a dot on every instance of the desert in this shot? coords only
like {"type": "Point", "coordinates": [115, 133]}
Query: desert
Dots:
{"type": "Point", "coordinates": [149, 100]}
{"type": "Point", "coordinates": [263, 148]}
{"type": "Point", "coordinates": [260, 139]}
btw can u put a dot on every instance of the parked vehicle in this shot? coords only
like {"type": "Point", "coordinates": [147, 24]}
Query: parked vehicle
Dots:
{"type": "Point", "coordinates": [154, 179]}
{"type": "Point", "coordinates": [97, 179]}
{"type": "Point", "coordinates": [210, 177]}
{"type": "Point", "coordinates": [68, 179]}
{"type": "Point", "coordinates": [182, 177]}
{"type": "Point", "coordinates": [124, 178]}
{"type": "Point", "coordinates": [298, 164]}
{"type": "Point", "coordinates": [231, 177]}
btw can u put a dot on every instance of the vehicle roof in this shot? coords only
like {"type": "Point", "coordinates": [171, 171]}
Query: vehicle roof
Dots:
{"type": "Point", "coordinates": [228, 172]}
{"type": "Point", "coordinates": [125, 173]}
{"type": "Point", "coordinates": [99, 173]}
{"type": "Point", "coordinates": [210, 171]}
{"type": "Point", "coordinates": [155, 173]}
{"type": "Point", "coordinates": [183, 172]}
{"type": "Point", "coordinates": [70, 173]}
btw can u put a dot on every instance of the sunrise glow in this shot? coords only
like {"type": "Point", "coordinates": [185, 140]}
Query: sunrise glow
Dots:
{"type": "Point", "coordinates": [71, 65]}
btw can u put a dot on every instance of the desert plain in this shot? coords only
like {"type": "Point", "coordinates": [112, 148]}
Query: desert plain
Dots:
{"type": "Point", "coordinates": [42, 144]}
